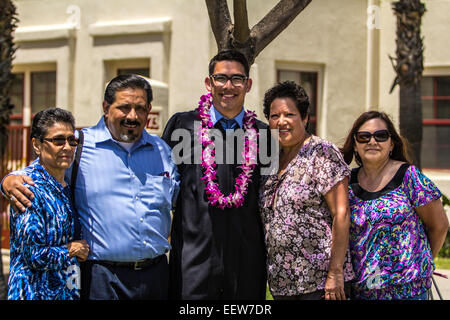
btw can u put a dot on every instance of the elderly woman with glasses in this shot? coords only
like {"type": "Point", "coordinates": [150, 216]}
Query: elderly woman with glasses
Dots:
{"type": "Point", "coordinates": [398, 224]}
{"type": "Point", "coordinates": [44, 254]}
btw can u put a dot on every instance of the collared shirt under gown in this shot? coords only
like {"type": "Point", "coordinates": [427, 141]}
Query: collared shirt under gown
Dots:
{"type": "Point", "coordinates": [216, 254]}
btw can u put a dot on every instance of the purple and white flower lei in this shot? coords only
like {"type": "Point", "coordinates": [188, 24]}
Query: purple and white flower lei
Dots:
{"type": "Point", "coordinates": [214, 195]}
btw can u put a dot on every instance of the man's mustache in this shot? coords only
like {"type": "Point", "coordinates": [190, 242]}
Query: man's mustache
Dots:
{"type": "Point", "coordinates": [127, 122]}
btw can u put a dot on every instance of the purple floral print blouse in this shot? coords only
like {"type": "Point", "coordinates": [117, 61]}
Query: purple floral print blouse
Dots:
{"type": "Point", "coordinates": [391, 255]}
{"type": "Point", "coordinates": [298, 222]}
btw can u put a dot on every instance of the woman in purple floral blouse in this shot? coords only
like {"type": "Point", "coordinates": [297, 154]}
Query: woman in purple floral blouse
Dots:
{"type": "Point", "coordinates": [304, 206]}
{"type": "Point", "coordinates": [398, 223]}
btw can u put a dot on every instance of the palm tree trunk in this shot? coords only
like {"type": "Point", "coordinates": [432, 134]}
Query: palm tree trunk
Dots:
{"type": "Point", "coordinates": [411, 120]}
{"type": "Point", "coordinates": [7, 25]}
{"type": "Point", "coordinates": [409, 67]}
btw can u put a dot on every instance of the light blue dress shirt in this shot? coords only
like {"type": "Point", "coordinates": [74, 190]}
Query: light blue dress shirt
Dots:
{"type": "Point", "coordinates": [216, 116]}
{"type": "Point", "coordinates": [123, 198]}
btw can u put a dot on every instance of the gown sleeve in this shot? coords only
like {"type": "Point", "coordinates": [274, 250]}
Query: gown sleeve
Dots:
{"type": "Point", "coordinates": [171, 125]}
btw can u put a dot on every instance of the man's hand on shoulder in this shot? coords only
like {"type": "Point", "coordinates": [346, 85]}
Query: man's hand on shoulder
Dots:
{"type": "Point", "coordinates": [18, 194]}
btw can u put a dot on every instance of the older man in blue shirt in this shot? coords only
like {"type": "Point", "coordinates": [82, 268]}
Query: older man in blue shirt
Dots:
{"type": "Point", "coordinates": [125, 186]}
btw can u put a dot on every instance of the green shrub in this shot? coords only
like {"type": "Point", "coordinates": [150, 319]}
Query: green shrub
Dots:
{"type": "Point", "coordinates": [445, 201]}
{"type": "Point", "coordinates": [445, 251]}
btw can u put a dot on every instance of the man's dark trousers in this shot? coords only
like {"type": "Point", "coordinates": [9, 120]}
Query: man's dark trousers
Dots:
{"type": "Point", "coordinates": [103, 281]}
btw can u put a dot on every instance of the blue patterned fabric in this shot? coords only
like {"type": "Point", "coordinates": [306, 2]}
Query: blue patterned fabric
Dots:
{"type": "Point", "coordinates": [40, 267]}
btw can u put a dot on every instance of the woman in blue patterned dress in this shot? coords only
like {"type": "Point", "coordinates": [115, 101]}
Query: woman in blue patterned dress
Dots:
{"type": "Point", "coordinates": [44, 255]}
{"type": "Point", "coordinates": [398, 224]}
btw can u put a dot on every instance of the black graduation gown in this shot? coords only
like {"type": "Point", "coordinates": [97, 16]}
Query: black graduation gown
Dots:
{"type": "Point", "coordinates": [216, 254]}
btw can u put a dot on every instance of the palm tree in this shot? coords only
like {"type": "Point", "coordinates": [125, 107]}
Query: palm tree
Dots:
{"type": "Point", "coordinates": [408, 66]}
{"type": "Point", "coordinates": [7, 25]}
{"type": "Point", "coordinates": [239, 36]}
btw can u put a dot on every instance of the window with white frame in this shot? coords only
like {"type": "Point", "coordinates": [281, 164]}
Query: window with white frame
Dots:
{"type": "Point", "coordinates": [436, 122]}
{"type": "Point", "coordinates": [138, 66]}
{"type": "Point", "coordinates": [145, 72]}
{"type": "Point", "coordinates": [309, 81]}
{"type": "Point", "coordinates": [17, 98]}
{"type": "Point", "coordinates": [33, 89]}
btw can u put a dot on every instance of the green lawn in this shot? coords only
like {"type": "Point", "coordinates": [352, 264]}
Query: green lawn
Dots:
{"type": "Point", "coordinates": [442, 263]}
{"type": "Point", "coordinates": [268, 295]}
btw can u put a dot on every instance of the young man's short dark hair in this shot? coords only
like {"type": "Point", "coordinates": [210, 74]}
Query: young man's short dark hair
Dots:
{"type": "Point", "coordinates": [229, 55]}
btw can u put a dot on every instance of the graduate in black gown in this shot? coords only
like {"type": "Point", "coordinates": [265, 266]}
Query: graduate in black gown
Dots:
{"type": "Point", "coordinates": [217, 251]}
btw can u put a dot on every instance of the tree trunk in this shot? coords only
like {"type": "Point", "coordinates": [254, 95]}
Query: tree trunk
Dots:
{"type": "Point", "coordinates": [238, 35]}
{"type": "Point", "coordinates": [411, 120]}
{"type": "Point", "coordinates": [7, 25]}
{"type": "Point", "coordinates": [409, 67]}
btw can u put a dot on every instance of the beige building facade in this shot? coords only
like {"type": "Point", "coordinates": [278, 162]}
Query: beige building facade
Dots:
{"type": "Point", "coordinates": [338, 50]}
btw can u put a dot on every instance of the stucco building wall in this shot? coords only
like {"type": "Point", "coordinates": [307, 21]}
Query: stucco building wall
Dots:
{"type": "Point", "coordinates": [85, 41]}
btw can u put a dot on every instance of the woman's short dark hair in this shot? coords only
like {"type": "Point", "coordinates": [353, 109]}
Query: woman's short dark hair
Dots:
{"type": "Point", "coordinates": [47, 118]}
{"type": "Point", "coordinates": [400, 151]}
{"type": "Point", "coordinates": [287, 89]}
{"type": "Point", "coordinates": [127, 81]}
{"type": "Point", "coordinates": [229, 55]}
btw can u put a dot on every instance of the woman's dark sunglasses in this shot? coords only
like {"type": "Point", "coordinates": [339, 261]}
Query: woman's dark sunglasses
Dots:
{"type": "Point", "coordinates": [61, 140]}
{"type": "Point", "coordinates": [365, 136]}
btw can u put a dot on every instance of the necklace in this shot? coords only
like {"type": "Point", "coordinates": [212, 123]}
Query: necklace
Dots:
{"type": "Point", "coordinates": [214, 195]}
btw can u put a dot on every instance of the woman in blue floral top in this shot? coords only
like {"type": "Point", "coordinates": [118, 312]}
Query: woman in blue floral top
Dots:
{"type": "Point", "coordinates": [398, 224]}
{"type": "Point", "coordinates": [44, 254]}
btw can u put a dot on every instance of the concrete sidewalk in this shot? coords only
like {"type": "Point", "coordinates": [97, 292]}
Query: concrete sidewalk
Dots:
{"type": "Point", "coordinates": [443, 284]}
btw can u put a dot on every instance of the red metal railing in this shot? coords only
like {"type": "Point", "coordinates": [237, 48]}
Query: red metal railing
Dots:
{"type": "Point", "coordinates": [17, 155]}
